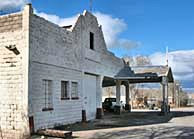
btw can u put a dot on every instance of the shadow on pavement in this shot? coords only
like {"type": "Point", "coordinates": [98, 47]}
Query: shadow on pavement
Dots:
{"type": "Point", "coordinates": [149, 133]}
{"type": "Point", "coordinates": [126, 119]}
{"type": "Point", "coordinates": [182, 113]}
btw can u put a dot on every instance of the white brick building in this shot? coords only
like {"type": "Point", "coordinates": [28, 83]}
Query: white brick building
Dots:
{"type": "Point", "coordinates": [50, 75]}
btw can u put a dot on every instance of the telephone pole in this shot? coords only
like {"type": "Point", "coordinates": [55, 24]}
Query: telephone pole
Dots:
{"type": "Point", "coordinates": [167, 55]}
{"type": "Point", "coordinates": [91, 5]}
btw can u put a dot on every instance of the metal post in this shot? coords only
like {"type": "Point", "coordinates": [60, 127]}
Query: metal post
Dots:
{"type": "Point", "coordinates": [163, 108]}
{"type": "Point", "coordinates": [118, 89]}
{"type": "Point", "coordinates": [165, 95]}
{"type": "Point", "coordinates": [167, 108]}
{"type": "Point", "coordinates": [127, 105]}
{"type": "Point", "coordinates": [127, 94]}
{"type": "Point", "coordinates": [118, 97]}
{"type": "Point", "coordinates": [179, 102]}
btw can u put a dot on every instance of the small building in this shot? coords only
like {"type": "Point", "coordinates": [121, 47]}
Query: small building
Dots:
{"type": "Point", "coordinates": [51, 75]}
{"type": "Point", "coordinates": [136, 75]}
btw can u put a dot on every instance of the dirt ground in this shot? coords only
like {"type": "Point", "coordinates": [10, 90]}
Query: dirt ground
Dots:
{"type": "Point", "coordinates": [137, 124]}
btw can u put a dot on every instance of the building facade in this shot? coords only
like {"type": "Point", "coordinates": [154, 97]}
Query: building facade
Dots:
{"type": "Point", "coordinates": [50, 75]}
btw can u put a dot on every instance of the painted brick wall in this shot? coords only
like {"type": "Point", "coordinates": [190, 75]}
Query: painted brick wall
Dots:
{"type": "Point", "coordinates": [13, 118]}
{"type": "Point", "coordinates": [64, 111]}
{"type": "Point", "coordinates": [53, 57]}
{"type": "Point", "coordinates": [50, 52]}
{"type": "Point", "coordinates": [58, 54]}
{"type": "Point", "coordinates": [9, 23]}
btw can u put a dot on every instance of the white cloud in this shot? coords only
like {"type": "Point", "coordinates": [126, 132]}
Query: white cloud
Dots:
{"type": "Point", "coordinates": [56, 19]}
{"type": "Point", "coordinates": [181, 63]}
{"type": "Point", "coordinates": [127, 44]}
{"type": "Point", "coordinates": [111, 27]}
{"type": "Point", "coordinates": [10, 4]}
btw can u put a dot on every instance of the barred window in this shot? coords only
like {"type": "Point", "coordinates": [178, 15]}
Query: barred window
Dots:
{"type": "Point", "coordinates": [48, 98]}
{"type": "Point", "coordinates": [74, 90]}
{"type": "Point", "coordinates": [64, 90]}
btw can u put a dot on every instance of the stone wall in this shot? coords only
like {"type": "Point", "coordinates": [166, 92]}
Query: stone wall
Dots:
{"type": "Point", "coordinates": [13, 112]}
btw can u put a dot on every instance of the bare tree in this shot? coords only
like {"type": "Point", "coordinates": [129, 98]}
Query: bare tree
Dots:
{"type": "Point", "coordinates": [183, 98]}
{"type": "Point", "coordinates": [142, 61]}
{"type": "Point", "coordinates": [138, 61]}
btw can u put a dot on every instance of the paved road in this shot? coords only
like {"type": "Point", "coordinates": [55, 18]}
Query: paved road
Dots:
{"type": "Point", "coordinates": [176, 128]}
{"type": "Point", "coordinates": [140, 124]}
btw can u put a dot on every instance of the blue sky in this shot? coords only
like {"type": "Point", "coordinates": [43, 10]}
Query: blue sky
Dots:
{"type": "Point", "coordinates": [155, 23]}
{"type": "Point", "coordinates": [133, 27]}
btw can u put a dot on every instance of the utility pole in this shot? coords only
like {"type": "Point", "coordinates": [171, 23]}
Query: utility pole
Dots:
{"type": "Point", "coordinates": [167, 79]}
{"type": "Point", "coordinates": [91, 5]}
{"type": "Point", "coordinates": [167, 56]}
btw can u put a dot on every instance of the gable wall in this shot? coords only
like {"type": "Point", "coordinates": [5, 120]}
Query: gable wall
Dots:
{"type": "Point", "coordinates": [95, 63]}
{"type": "Point", "coordinates": [98, 61]}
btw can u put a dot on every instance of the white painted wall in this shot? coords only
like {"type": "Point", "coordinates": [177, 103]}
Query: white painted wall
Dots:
{"type": "Point", "coordinates": [54, 53]}
{"type": "Point", "coordinates": [53, 57]}
{"type": "Point", "coordinates": [14, 76]}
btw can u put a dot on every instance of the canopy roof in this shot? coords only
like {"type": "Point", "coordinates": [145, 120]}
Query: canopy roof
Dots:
{"type": "Point", "coordinates": [145, 74]}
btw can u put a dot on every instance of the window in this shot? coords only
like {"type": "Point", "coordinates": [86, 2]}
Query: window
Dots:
{"type": "Point", "coordinates": [91, 40]}
{"type": "Point", "coordinates": [48, 102]}
{"type": "Point", "coordinates": [64, 90]}
{"type": "Point", "coordinates": [74, 90]}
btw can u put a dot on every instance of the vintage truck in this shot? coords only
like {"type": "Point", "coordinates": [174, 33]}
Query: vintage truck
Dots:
{"type": "Point", "coordinates": [110, 103]}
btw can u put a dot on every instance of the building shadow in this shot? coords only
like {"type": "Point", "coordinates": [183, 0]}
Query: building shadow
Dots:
{"type": "Point", "coordinates": [160, 132]}
{"type": "Point", "coordinates": [126, 119]}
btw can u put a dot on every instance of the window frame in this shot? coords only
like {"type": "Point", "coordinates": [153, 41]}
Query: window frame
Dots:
{"type": "Point", "coordinates": [67, 88]}
{"type": "Point", "coordinates": [48, 90]}
{"type": "Point", "coordinates": [77, 90]}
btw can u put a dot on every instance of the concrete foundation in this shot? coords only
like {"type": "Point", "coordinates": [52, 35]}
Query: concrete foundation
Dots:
{"type": "Point", "coordinates": [117, 110]}
{"type": "Point", "coordinates": [84, 119]}
{"type": "Point", "coordinates": [99, 113]}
